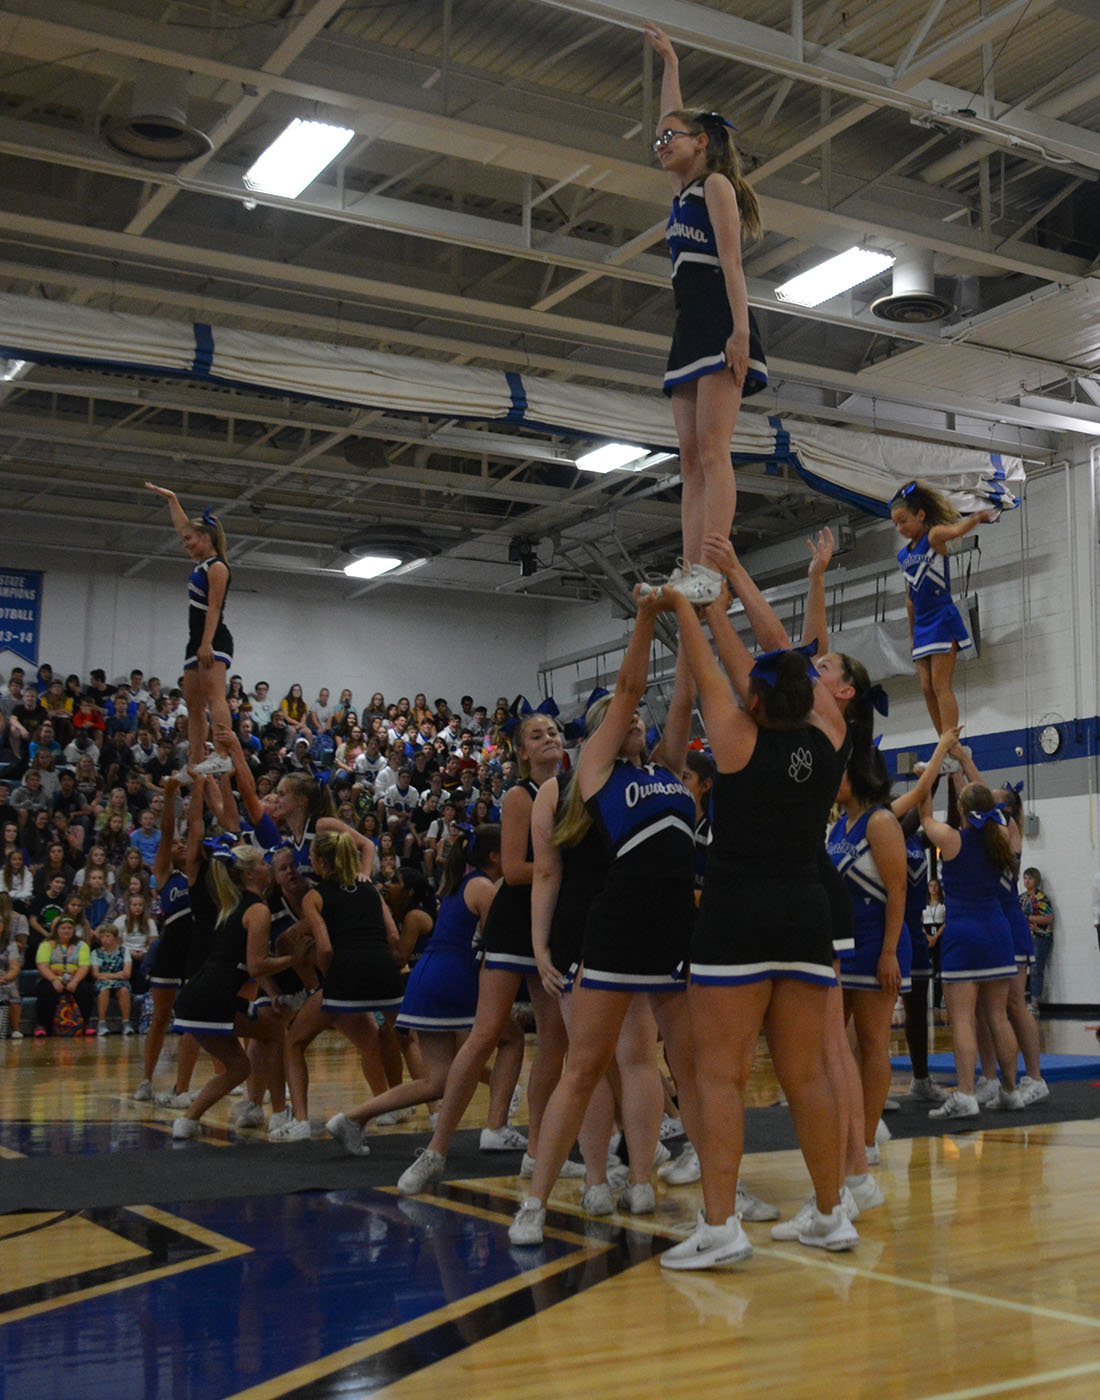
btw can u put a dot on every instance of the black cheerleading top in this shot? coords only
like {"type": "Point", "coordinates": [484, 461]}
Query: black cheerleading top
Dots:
{"type": "Point", "coordinates": [198, 594]}
{"type": "Point", "coordinates": [352, 915]}
{"type": "Point", "coordinates": [647, 820]}
{"type": "Point", "coordinates": [690, 235]}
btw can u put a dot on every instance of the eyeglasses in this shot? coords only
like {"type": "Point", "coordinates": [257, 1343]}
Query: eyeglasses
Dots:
{"type": "Point", "coordinates": [669, 135]}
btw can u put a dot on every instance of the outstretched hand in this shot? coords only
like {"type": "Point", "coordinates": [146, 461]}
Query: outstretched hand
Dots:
{"type": "Point", "coordinates": [660, 41]}
{"type": "Point", "coordinates": [719, 554]}
{"type": "Point", "coordinates": [654, 601]}
{"type": "Point", "coordinates": [160, 490]}
{"type": "Point", "coordinates": [821, 551]}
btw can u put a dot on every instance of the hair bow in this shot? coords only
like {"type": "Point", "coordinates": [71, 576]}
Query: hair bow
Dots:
{"type": "Point", "coordinates": [470, 834]}
{"type": "Point", "coordinates": [717, 117]}
{"type": "Point", "coordinates": [521, 707]}
{"type": "Point", "coordinates": [877, 699]}
{"type": "Point", "coordinates": [766, 665]}
{"type": "Point", "coordinates": [208, 516]}
{"type": "Point", "coordinates": [979, 819]}
{"type": "Point", "coordinates": [575, 728]}
{"type": "Point", "coordinates": [221, 847]}
{"type": "Point", "coordinates": [907, 490]}
{"type": "Point", "coordinates": [272, 851]}
{"type": "Point", "coordinates": [1017, 788]}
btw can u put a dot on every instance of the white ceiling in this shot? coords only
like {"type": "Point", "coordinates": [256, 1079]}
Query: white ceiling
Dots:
{"type": "Point", "coordinates": [499, 207]}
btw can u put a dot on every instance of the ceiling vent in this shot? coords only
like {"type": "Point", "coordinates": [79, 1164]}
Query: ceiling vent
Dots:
{"type": "Point", "coordinates": [913, 300]}
{"type": "Point", "coordinates": [158, 129]}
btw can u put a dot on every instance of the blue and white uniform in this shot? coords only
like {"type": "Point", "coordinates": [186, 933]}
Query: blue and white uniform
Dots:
{"type": "Point", "coordinates": [704, 321]}
{"type": "Point", "coordinates": [301, 847]}
{"type": "Point", "coordinates": [198, 598]}
{"type": "Point", "coordinates": [265, 835]}
{"type": "Point", "coordinates": [169, 955]}
{"type": "Point", "coordinates": [937, 622]}
{"type": "Point", "coordinates": [442, 990]}
{"type": "Point", "coordinates": [638, 931]}
{"type": "Point", "coordinates": [916, 897]}
{"type": "Point", "coordinates": [850, 851]}
{"type": "Point", "coordinates": [977, 938]}
{"type": "Point", "coordinates": [1023, 944]}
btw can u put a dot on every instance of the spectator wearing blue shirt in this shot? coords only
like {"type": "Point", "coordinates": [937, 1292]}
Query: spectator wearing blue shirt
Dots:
{"type": "Point", "coordinates": [146, 837]}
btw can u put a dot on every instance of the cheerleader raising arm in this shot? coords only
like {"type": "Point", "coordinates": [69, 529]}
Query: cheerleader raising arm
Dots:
{"type": "Point", "coordinates": [671, 97]}
{"type": "Point", "coordinates": [766, 627]}
{"type": "Point", "coordinates": [671, 749]}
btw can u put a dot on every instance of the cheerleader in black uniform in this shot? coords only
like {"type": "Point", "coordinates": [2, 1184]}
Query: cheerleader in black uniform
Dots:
{"type": "Point", "coordinates": [209, 651]}
{"type": "Point", "coordinates": [508, 959]}
{"type": "Point", "coordinates": [636, 934]}
{"type": "Point", "coordinates": [210, 1006]}
{"type": "Point", "coordinates": [441, 998]}
{"type": "Point", "coordinates": [716, 358]}
{"type": "Point", "coordinates": [354, 938]}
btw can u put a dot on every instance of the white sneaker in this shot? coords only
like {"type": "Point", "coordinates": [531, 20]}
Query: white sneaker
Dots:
{"type": "Point", "coordinates": [598, 1200]}
{"type": "Point", "coordinates": [638, 1199]}
{"type": "Point", "coordinates": [186, 1128]}
{"type": "Point", "coordinates": [16, 1035]}
{"type": "Point", "coordinates": [526, 1228]}
{"type": "Point", "coordinates": [1033, 1090]}
{"type": "Point", "coordinates": [661, 1156]}
{"type": "Point", "coordinates": [987, 1092]}
{"type": "Point", "coordinates": [101, 1029]}
{"type": "Point", "coordinates": [506, 1139]}
{"type": "Point", "coordinates": [1012, 1100]}
{"type": "Point", "coordinates": [684, 1170]}
{"type": "Point", "coordinates": [799, 1221]}
{"type": "Point", "coordinates": [849, 1204]}
{"type": "Point", "coordinates": [280, 1119]}
{"type": "Point", "coordinates": [708, 1246]}
{"type": "Point", "coordinates": [214, 766]}
{"type": "Point", "coordinates": [424, 1172]}
{"type": "Point", "coordinates": [391, 1119]}
{"type": "Point", "coordinates": [617, 1177]}
{"type": "Point", "coordinates": [865, 1191]}
{"type": "Point", "coordinates": [891, 1106]}
{"type": "Point", "coordinates": [297, 1130]}
{"type": "Point", "coordinates": [928, 1090]}
{"type": "Point", "coordinates": [173, 1100]}
{"type": "Point", "coordinates": [833, 1231]}
{"type": "Point", "coordinates": [248, 1115]}
{"type": "Point", "coordinates": [671, 1128]}
{"type": "Point", "coordinates": [699, 585]}
{"type": "Point", "coordinates": [874, 1156]}
{"type": "Point", "coordinates": [570, 1170]}
{"type": "Point", "coordinates": [144, 1092]}
{"type": "Point", "coordinates": [127, 1028]}
{"type": "Point", "coordinates": [750, 1207]}
{"type": "Point", "coordinates": [957, 1105]}
{"type": "Point", "coordinates": [882, 1134]}
{"type": "Point", "coordinates": [348, 1134]}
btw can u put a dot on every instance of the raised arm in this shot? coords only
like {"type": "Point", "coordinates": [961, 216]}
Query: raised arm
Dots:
{"type": "Point", "coordinates": [162, 863]}
{"type": "Point", "coordinates": [677, 731]}
{"type": "Point", "coordinates": [671, 98]}
{"type": "Point", "coordinates": [923, 787]}
{"type": "Point", "coordinates": [814, 626]}
{"type": "Point", "coordinates": [177, 512]}
{"type": "Point", "coordinates": [939, 833]}
{"type": "Point", "coordinates": [940, 536]}
{"type": "Point", "coordinates": [732, 734]}
{"type": "Point", "coordinates": [769, 632]}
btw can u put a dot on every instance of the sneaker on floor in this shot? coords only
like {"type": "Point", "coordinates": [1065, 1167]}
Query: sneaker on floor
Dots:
{"type": "Point", "coordinates": [16, 1035]}
{"type": "Point", "coordinates": [833, 1231]}
{"type": "Point", "coordinates": [395, 1116]}
{"type": "Point", "coordinates": [874, 1156]}
{"type": "Point", "coordinates": [424, 1172]}
{"type": "Point", "coordinates": [598, 1200]}
{"type": "Point", "coordinates": [800, 1220]}
{"type": "Point", "coordinates": [280, 1119]}
{"type": "Point", "coordinates": [671, 1128]}
{"type": "Point", "coordinates": [891, 1106]}
{"type": "Point", "coordinates": [638, 1199]}
{"type": "Point", "coordinates": [297, 1130]}
{"type": "Point", "coordinates": [248, 1115]}
{"type": "Point", "coordinates": [1033, 1090]}
{"type": "Point", "coordinates": [570, 1170]}
{"type": "Point", "coordinates": [506, 1139]}
{"type": "Point", "coordinates": [928, 1090]}
{"type": "Point", "coordinates": [709, 1246]}
{"type": "Point", "coordinates": [1011, 1100]}
{"type": "Point", "coordinates": [987, 1092]}
{"type": "Point", "coordinates": [661, 1156]}
{"type": "Point", "coordinates": [174, 1100]}
{"type": "Point", "coordinates": [684, 1170]}
{"type": "Point", "coordinates": [186, 1128]}
{"type": "Point", "coordinates": [699, 585]}
{"type": "Point", "coordinates": [750, 1207]}
{"type": "Point", "coordinates": [526, 1228]}
{"type": "Point", "coordinates": [516, 1100]}
{"type": "Point", "coordinates": [101, 1029]}
{"type": "Point", "coordinates": [882, 1133]}
{"type": "Point", "coordinates": [239, 1091]}
{"type": "Point", "coordinates": [127, 1028]}
{"type": "Point", "coordinates": [617, 1177]}
{"type": "Point", "coordinates": [957, 1105]}
{"type": "Point", "coordinates": [865, 1190]}
{"type": "Point", "coordinates": [849, 1203]}
{"type": "Point", "coordinates": [348, 1134]}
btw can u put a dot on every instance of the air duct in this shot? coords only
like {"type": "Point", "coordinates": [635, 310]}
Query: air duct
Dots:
{"type": "Point", "coordinates": [913, 300]}
{"type": "Point", "coordinates": [158, 129]}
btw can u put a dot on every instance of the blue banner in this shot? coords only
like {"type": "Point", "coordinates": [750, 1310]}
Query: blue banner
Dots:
{"type": "Point", "coordinates": [20, 613]}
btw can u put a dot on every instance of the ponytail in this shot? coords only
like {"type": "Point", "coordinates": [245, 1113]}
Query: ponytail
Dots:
{"type": "Point", "coordinates": [787, 699]}
{"type": "Point", "coordinates": [723, 158]}
{"type": "Point", "coordinates": [918, 495]}
{"type": "Point", "coordinates": [574, 818]}
{"type": "Point", "coordinates": [977, 798]}
{"type": "Point", "coordinates": [338, 854]}
{"type": "Point", "coordinates": [474, 846]}
{"type": "Point", "coordinates": [318, 799]}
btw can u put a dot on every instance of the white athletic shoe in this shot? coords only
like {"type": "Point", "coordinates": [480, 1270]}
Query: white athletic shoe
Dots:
{"type": "Point", "coordinates": [516, 1100]}
{"type": "Point", "coordinates": [684, 1170]}
{"type": "Point", "coordinates": [698, 584]}
{"type": "Point", "coordinates": [671, 1128]}
{"type": "Point", "coordinates": [173, 1100]}
{"type": "Point", "coordinates": [570, 1170]}
{"type": "Point", "coordinates": [661, 1156]}
{"type": "Point", "coordinates": [144, 1092]}
{"type": "Point", "coordinates": [1033, 1090]}
{"type": "Point", "coordinates": [424, 1172]}
{"type": "Point", "coordinates": [987, 1092]}
{"type": "Point", "coordinates": [957, 1105]}
{"type": "Point", "coordinates": [799, 1221]}
{"type": "Point", "coordinates": [891, 1106]}
{"type": "Point", "coordinates": [186, 1128]}
{"type": "Point", "coordinates": [506, 1139]}
{"type": "Point", "coordinates": [214, 766]}
{"type": "Point", "coordinates": [638, 1199]}
{"type": "Point", "coordinates": [849, 1204]}
{"type": "Point", "coordinates": [1011, 1099]}
{"type": "Point", "coordinates": [297, 1130]}
{"type": "Point", "coordinates": [598, 1200]}
{"type": "Point", "coordinates": [248, 1115]}
{"type": "Point", "coordinates": [882, 1133]}
{"type": "Point", "coordinates": [348, 1134]}
{"type": "Point", "coordinates": [833, 1231]}
{"type": "Point", "coordinates": [709, 1246]}
{"type": "Point", "coordinates": [391, 1119]}
{"type": "Point", "coordinates": [865, 1191]}
{"type": "Point", "coordinates": [280, 1119]}
{"type": "Point", "coordinates": [526, 1228]}
{"type": "Point", "coordinates": [874, 1156]}
{"type": "Point", "coordinates": [750, 1207]}
{"type": "Point", "coordinates": [928, 1090]}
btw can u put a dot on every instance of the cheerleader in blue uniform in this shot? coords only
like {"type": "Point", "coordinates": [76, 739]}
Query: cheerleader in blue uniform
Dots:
{"type": "Point", "coordinates": [210, 1005]}
{"type": "Point", "coordinates": [440, 1000]}
{"type": "Point", "coordinates": [209, 652]}
{"type": "Point", "coordinates": [637, 932]}
{"type": "Point", "coordinates": [978, 961]}
{"type": "Point", "coordinates": [716, 358]}
{"type": "Point", "coordinates": [354, 941]}
{"type": "Point", "coordinates": [303, 807]}
{"type": "Point", "coordinates": [928, 522]}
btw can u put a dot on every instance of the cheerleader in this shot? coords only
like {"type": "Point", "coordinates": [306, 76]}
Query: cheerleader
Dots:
{"type": "Point", "coordinates": [716, 358]}
{"type": "Point", "coordinates": [304, 808]}
{"type": "Point", "coordinates": [978, 962]}
{"type": "Point", "coordinates": [209, 652]}
{"type": "Point", "coordinates": [636, 934]}
{"type": "Point", "coordinates": [210, 1006]}
{"type": "Point", "coordinates": [780, 760]}
{"type": "Point", "coordinates": [928, 522]}
{"type": "Point", "coordinates": [508, 960]}
{"type": "Point", "coordinates": [354, 938]}
{"type": "Point", "coordinates": [440, 1000]}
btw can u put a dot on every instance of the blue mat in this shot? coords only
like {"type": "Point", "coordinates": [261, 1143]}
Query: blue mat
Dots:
{"type": "Point", "coordinates": [1056, 1068]}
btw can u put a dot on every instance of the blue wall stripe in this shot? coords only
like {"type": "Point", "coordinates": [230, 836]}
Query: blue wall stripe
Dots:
{"type": "Point", "coordinates": [996, 752]}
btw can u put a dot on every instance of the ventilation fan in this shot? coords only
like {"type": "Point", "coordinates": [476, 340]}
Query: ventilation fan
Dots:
{"type": "Point", "coordinates": [157, 128]}
{"type": "Point", "coordinates": [913, 299]}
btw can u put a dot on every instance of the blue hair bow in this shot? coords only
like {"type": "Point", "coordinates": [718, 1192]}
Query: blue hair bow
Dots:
{"type": "Point", "coordinates": [878, 700]}
{"type": "Point", "coordinates": [522, 707]}
{"type": "Point", "coordinates": [575, 728]}
{"type": "Point", "coordinates": [470, 833]}
{"type": "Point", "coordinates": [979, 819]}
{"type": "Point", "coordinates": [272, 851]}
{"type": "Point", "coordinates": [718, 117]}
{"type": "Point", "coordinates": [208, 516]}
{"type": "Point", "coordinates": [1017, 788]}
{"type": "Point", "coordinates": [766, 665]}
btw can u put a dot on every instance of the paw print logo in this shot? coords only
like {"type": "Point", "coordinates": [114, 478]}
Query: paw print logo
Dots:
{"type": "Point", "coordinates": [802, 765]}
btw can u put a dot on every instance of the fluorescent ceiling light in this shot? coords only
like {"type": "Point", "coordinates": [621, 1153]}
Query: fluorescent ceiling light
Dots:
{"type": "Point", "coordinates": [836, 275]}
{"type": "Point", "coordinates": [371, 565]}
{"type": "Point", "coordinates": [610, 457]}
{"type": "Point", "coordinates": [12, 369]}
{"type": "Point", "coordinates": [297, 157]}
